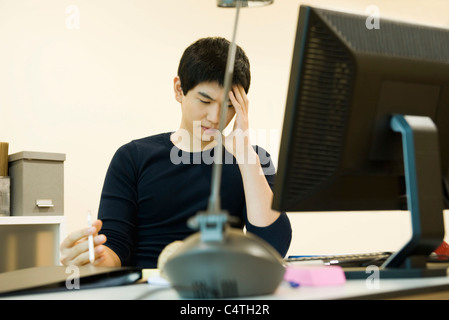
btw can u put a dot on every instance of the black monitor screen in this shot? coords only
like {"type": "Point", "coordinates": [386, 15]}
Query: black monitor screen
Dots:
{"type": "Point", "coordinates": [339, 149]}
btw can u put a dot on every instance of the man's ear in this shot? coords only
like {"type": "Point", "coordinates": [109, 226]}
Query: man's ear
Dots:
{"type": "Point", "coordinates": [178, 89]}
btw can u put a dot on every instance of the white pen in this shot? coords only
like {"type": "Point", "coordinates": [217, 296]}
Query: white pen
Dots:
{"type": "Point", "coordinates": [90, 239]}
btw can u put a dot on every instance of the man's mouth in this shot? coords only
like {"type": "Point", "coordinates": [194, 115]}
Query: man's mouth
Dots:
{"type": "Point", "coordinates": [208, 130]}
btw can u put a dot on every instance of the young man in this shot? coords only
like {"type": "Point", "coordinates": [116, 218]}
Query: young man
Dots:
{"type": "Point", "coordinates": [155, 184]}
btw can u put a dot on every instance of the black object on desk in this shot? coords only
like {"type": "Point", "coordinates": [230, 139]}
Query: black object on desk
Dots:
{"type": "Point", "coordinates": [366, 126]}
{"type": "Point", "coordinates": [53, 278]}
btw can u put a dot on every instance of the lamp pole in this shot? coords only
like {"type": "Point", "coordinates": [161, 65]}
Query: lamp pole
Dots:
{"type": "Point", "coordinates": [214, 205]}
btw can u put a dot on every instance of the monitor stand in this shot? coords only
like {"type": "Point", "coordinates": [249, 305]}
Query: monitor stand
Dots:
{"type": "Point", "coordinates": [424, 200]}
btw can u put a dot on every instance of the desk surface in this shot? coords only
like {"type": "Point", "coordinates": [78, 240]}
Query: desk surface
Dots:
{"type": "Point", "coordinates": [422, 288]}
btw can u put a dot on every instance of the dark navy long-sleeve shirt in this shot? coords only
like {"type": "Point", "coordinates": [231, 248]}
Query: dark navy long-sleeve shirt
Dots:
{"type": "Point", "coordinates": [152, 188]}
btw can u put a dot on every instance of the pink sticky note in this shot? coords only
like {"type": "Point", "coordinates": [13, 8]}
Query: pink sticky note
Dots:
{"type": "Point", "coordinates": [315, 275]}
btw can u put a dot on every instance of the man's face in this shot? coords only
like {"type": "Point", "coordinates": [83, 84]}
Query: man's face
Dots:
{"type": "Point", "coordinates": [201, 110]}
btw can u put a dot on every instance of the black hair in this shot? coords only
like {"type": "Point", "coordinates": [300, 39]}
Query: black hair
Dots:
{"type": "Point", "coordinates": [205, 61]}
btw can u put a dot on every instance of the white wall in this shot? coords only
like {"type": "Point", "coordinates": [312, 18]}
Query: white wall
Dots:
{"type": "Point", "coordinates": [86, 91]}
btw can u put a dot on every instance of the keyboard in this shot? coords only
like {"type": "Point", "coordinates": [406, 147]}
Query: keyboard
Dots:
{"type": "Point", "coordinates": [343, 260]}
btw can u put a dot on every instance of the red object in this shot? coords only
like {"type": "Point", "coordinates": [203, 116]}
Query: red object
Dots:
{"type": "Point", "coordinates": [443, 249]}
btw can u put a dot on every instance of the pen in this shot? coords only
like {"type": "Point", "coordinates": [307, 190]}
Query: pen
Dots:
{"type": "Point", "coordinates": [90, 239]}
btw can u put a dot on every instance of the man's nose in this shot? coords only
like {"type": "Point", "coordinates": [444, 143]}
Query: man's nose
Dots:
{"type": "Point", "coordinates": [213, 114]}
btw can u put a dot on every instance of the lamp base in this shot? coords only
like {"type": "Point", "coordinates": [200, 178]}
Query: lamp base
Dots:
{"type": "Point", "coordinates": [240, 265]}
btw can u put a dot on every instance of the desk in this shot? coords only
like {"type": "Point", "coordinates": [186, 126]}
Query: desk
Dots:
{"type": "Point", "coordinates": [422, 288]}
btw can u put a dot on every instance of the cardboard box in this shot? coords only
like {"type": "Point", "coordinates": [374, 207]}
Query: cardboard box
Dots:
{"type": "Point", "coordinates": [37, 183]}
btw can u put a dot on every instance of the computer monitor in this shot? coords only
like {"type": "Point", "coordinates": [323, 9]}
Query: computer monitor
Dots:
{"type": "Point", "coordinates": [366, 125]}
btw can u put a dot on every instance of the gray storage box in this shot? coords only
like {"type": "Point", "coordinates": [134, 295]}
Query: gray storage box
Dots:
{"type": "Point", "coordinates": [37, 183]}
{"type": "Point", "coordinates": [5, 189]}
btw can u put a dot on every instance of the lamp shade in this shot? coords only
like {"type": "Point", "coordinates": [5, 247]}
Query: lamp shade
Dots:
{"type": "Point", "coordinates": [243, 3]}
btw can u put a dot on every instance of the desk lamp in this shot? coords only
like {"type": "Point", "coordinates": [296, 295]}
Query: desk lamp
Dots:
{"type": "Point", "coordinates": [220, 261]}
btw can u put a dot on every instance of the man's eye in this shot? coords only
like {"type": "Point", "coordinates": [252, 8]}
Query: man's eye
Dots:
{"type": "Point", "coordinates": [203, 101]}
